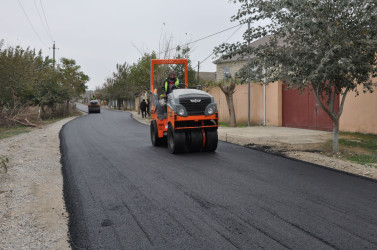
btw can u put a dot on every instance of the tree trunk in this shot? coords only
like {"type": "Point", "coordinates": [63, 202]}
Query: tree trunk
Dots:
{"type": "Point", "coordinates": [39, 112]}
{"type": "Point", "coordinates": [335, 143]}
{"type": "Point", "coordinates": [67, 108]}
{"type": "Point", "coordinates": [330, 111]}
{"type": "Point", "coordinates": [232, 113]}
{"type": "Point", "coordinates": [228, 91]}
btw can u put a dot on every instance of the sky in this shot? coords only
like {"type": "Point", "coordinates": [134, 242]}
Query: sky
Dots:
{"type": "Point", "coordinates": [100, 34]}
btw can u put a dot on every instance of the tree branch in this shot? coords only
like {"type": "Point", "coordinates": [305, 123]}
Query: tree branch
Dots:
{"type": "Point", "coordinates": [342, 103]}
{"type": "Point", "coordinates": [22, 123]}
{"type": "Point", "coordinates": [316, 95]}
{"type": "Point", "coordinates": [331, 99]}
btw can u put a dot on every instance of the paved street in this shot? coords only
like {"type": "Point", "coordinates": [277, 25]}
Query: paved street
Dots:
{"type": "Point", "coordinates": [123, 193]}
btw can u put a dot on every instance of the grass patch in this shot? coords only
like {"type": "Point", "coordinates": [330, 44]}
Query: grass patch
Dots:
{"type": "Point", "coordinates": [363, 159]}
{"type": "Point", "coordinates": [364, 141]}
{"type": "Point", "coordinates": [239, 125]}
{"type": "Point", "coordinates": [357, 147]}
{"type": "Point", "coordinates": [12, 131]}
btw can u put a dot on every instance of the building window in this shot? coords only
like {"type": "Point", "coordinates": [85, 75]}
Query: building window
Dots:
{"type": "Point", "coordinates": [227, 73]}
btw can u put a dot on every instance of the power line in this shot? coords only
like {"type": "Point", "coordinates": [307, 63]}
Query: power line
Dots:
{"type": "Point", "coordinates": [225, 41]}
{"type": "Point", "coordinates": [203, 38]}
{"type": "Point", "coordinates": [31, 24]}
{"type": "Point", "coordinates": [48, 27]}
{"type": "Point", "coordinates": [40, 18]}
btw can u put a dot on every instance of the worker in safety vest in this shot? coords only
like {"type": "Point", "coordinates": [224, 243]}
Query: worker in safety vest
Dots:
{"type": "Point", "coordinates": [170, 82]}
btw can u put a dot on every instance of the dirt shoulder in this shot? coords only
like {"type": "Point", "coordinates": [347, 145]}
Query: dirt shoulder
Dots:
{"type": "Point", "coordinates": [32, 210]}
{"type": "Point", "coordinates": [301, 144]}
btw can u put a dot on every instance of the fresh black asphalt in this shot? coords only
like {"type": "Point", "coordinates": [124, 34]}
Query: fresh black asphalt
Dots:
{"type": "Point", "coordinates": [123, 193]}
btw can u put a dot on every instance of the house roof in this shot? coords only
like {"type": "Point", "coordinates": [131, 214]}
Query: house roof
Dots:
{"type": "Point", "coordinates": [254, 44]}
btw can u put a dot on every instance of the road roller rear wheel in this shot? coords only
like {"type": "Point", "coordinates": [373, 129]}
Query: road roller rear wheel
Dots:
{"type": "Point", "coordinates": [176, 140]}
{"type": "Point", "coordinates": [154, 135]}
{"type": "Point", "coordinates": [195, 142]}
{"type": "Point", "coordinates": [211, 140]}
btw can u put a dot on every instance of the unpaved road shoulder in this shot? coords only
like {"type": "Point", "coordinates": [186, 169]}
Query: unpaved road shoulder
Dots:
{"type": "Point", "coordinates": [32, 211]}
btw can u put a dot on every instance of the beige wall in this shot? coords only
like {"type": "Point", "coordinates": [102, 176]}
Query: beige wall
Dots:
{"type": "Point", "coordinates": [274, 115]}
{"type": "Point", "coordinates": [273, 104]}
{"type": "Point", "coordinates": [360, 112]}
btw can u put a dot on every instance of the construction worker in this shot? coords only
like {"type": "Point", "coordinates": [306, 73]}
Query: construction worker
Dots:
{"type": "Point", "coordinates": [170, 82]}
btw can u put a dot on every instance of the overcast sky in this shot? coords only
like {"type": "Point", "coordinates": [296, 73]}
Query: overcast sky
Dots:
{"type": "Point", "coordinates": [99, 34]}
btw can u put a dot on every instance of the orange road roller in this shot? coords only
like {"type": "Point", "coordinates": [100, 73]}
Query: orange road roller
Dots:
{"type": "Point", "coordinates": [186, 119]}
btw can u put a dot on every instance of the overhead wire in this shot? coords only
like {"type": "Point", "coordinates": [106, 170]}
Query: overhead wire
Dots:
{"type": "Point", "coordinates": [36, 33]}
{"type": "Point", "coordinates": [221, 31]}
{"type": "Point", "coordinates": [225, 42]}
{"type": "Point", "coordinates": [43, 22]}
{"type": "Point", "coordinates": [48, 27]}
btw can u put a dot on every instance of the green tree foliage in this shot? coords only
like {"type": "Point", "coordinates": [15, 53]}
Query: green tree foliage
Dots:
{"type": "Point", "coordinates": [29, 78]}
{"type": "Point", "coordinates": [72, 79]}
{"type": "Point", "coordinates": [20, 70]}
{"type": "Point", "coordinates": [48, 90]}
{"type": "Point", "coordinates": [329, 46]}
{"type": "Point", "coordinates": [117, 87]}
{"type": "Point", "coordinates": [140, 73]}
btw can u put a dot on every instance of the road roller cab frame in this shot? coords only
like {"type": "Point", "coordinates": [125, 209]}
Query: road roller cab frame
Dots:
{"type": "Point", "coordinates": [187, 119]}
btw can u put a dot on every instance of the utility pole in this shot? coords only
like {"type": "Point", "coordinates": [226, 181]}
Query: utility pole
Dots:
{"type": "Point", "coordinates": [264, 92]}
{"type": "Point", "coordinates": [248, 84]}
{"type": "Point", "coordinates": [198, 70]}
{"type": "Point", "coordinates": [53, 54]}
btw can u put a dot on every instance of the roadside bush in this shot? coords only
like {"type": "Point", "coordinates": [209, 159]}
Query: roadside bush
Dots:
{"type": "Point", "coordinates": [33, 116]}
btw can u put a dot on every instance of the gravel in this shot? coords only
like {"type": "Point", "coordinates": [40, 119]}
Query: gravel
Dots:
{"type": "Point", "coordinates": [32, 210]}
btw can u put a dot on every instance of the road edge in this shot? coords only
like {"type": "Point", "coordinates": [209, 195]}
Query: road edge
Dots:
{"type": "Point", "coordinates": [70, 198]}
{"type": "Point", "coordinates": [307, 162]}
{"type": "Point", "coordinates": [272, 153]}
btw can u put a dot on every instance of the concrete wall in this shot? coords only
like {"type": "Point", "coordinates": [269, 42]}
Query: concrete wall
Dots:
{"type": "Point", "coordinates": [360, 112]}
{"type": "Point", "coordinates": [273, 104]}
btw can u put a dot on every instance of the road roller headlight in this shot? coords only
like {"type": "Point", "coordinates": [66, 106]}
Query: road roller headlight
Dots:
{"type": "Point", "coordinates": [180, 110]}
{"type": "Point", "coordinates": [211, 109]}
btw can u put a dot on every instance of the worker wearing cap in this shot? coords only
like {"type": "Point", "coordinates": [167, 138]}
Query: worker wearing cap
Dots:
{"type": "Point", "coordinates": [170, 82]}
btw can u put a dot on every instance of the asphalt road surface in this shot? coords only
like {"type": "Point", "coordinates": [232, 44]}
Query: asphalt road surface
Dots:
{"type": "Point", "coordinates": [123, 193]}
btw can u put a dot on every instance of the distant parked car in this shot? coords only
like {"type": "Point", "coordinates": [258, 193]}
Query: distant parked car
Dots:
{"type": "Point", "coordinates": [94, 107]}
